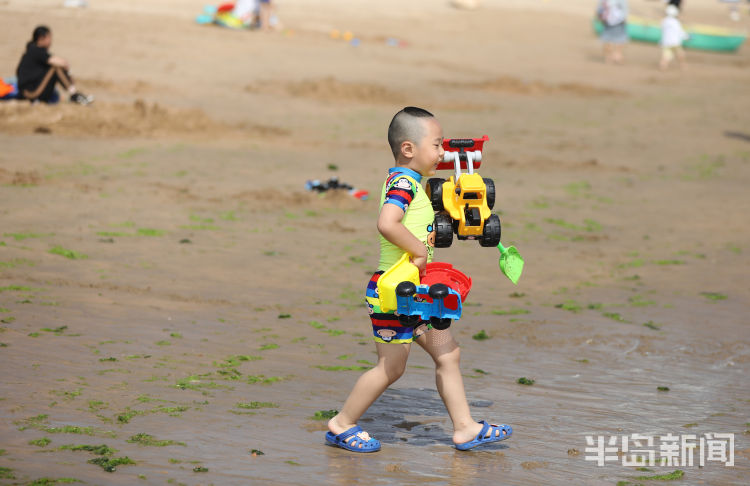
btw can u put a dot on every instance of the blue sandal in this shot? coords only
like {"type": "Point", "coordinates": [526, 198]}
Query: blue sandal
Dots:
{"type": "Point", "coordinates": [481, 438]}
{"type": "Point", "coordinates": [350, 441]}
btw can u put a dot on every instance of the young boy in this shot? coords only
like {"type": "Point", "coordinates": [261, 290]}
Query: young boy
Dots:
{"type": "Point", "coordinates": [672, 37]}
{"type": "Point", "coordinates": [38, 72]}
{"type": "Point", "coordinates": [405, 224]}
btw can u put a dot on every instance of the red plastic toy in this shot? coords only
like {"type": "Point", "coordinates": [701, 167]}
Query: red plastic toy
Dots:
{"type": "Point", "coordinates": [462, 145]}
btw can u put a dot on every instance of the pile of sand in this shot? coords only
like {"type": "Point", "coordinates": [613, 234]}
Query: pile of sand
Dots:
{"type": "Point", "coordinates": [139, 119]}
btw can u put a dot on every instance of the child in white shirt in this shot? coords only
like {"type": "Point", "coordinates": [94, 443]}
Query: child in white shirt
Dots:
{"type": "Point", "coordinates": [672, 37]}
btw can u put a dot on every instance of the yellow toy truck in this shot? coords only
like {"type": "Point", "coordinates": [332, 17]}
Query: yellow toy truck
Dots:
{"type": "Point", "coordinates": [464, 202]}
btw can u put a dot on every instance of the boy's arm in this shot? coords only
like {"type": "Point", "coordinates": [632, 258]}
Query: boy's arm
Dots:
{"type": "Point", "coordinates": [389, 225]}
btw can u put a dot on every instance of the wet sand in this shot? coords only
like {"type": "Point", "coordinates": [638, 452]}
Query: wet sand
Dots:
{"type": "Point", "coordinates": [164, 272]}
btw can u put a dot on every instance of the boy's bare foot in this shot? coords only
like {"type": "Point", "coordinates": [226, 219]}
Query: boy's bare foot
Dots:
{"type": "Point", "coordinates": [337, 429]}
{"type": "Point", "coordinates": [467, 433]}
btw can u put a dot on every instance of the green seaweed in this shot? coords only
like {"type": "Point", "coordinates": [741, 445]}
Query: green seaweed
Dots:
{"type": "Point", "coordinates": [714, 295]}
{"type": "Point", "coordinates": [24, 236]}
{"type": "Point", "coordinates": [16, 288]}
{"type": "Point", "coordinates": [262, 379]}
{"type": "Point", "coordinates": [99, 450]}
{"type": "Point", "coordinates": [110, 464]}
{"type": "Point", "coordinates": [200, 469]}
{"type": "Point", "coordinates": [265, 347]}
{"type": "Point", "coordinates": [510, 312]}
{"type": "Point", "coordinates": [342, 368]}
{"type": "Point", "coordinates": [570, 305]}
{"type": "Point", "coordinates": [150, 232]}
{"type": "Point", "coordinates": [149, 440]}
{"type": "Point", "coordinates": [43, 442]}
{"type": "Point", "coordinates": [652, 325]}
{"type": "Point", "coordinates": [70, 254]}
{"type": "Point", "coordinates": [481, 335]}
{"type": "Point", "coordinates": [39, 422]}
{"type": "Point", "coordinates": [256, 405]}
{"type": "Point", "coordinates": [640, 301]}
{"type": "Point", "coordinates": [6, 473]}
{"type": "Point", "coordinates": [51, 481]}
{"type": "Point", "coordinates": [324, 414]}
{"type": "Point", "coordinates": [57, 330]}
{"type": "Point", "coordinates": [284, 316]}
{"type": "Point", "coordinates": [674, 475]}
{"type": "Point", "coordinates": [614, 316]}
{"type": "Point", "coordinates": [662, 388]}
{"type": "Point", "coordinates": [525, 381]}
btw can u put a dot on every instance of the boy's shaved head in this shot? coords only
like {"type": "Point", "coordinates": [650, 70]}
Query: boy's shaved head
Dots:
{"type": "Point", "coordinates": [406, 126]}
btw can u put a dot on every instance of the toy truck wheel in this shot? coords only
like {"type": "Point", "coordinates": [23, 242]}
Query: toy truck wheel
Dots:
{"type": "Point", "coordinates": [438, 291]}
{"type": "Point", "coordinates": [409, 321]}
{"type": "Point", "coordinates": [440, 324]}
{"type": "Point", "coordinates": [489, 184]}
{"type": "Point", "coordinates": [443, 230]}
{"type": "Point", "coordinates": [491, 232]}
{"type": "Point", "coordinates": [435, 193]}
{"type": "Point", "coordinates": [406, 289]}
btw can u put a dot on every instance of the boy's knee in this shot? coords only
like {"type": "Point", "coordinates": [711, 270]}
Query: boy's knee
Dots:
{"type": "Point", "coordinates": [394, 371]}
{"type": "Point", "coordinates": [452, 358]}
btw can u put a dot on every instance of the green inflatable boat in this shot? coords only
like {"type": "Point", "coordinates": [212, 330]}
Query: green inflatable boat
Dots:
{"type": "Point", "coordinates": [705, 37]}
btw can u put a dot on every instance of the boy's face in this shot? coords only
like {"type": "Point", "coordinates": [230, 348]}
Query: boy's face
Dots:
{"type": "Point", "coordinates": [428, 152]}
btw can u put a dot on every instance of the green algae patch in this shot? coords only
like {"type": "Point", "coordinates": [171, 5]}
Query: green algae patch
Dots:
{"type": "Point", "coordinates": [39, 422]}
{"type": "Point", "coordinates": [51, 481]}
{"type": "Point", "coordinates": [324, 414]}
{"type": "Point", "coordinates": [43, 442]}
{"type": "Point", "coordinates": [110, 464]}
{"type": "Point", "coordinates": [714, 296]}
{"type": "Point", "coordinates": [256, 405]}
{"type": "Point", "coordinates": [481, 335]}
{"type": "Point", "coordinates": [99, 450]}
{"type": "Point", "coordinates": [615, 316]}
{"type": "Point", "coordinates": [673, 476]}
{"type": "Point", "coordinates": [652, 325]}
{"type": "Point", "coordinates": [525, 381]}
{"type": "Point", "coordinates": [6, 473]}
{"type": "Point", "coordinates": [70, 254]}
{"type": "Point", "coordinates": [570, 306]}
{"type": "Point", "coordinates": [510, 312]}
{"type": "Point", "coordinates": [149, 440]}
{"type": "Point", "coordinates": [342, 368]}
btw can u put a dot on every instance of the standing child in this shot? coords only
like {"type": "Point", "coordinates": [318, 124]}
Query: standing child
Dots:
{"type": "Point", "coordinates": [405, 224]}
{"type": "Point", "coordinates": [672, 37]}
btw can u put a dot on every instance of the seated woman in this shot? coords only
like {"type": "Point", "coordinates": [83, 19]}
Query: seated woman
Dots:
{"type": "Point", "coordinates": [38, 72]}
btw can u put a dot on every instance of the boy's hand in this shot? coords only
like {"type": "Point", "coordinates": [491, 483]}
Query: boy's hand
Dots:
{"type": "Point", "coordinates": [421, 263]}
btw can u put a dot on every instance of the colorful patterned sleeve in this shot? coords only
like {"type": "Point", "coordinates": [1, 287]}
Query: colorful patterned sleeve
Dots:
{"type": "Point", "coordinates": [400, 191]}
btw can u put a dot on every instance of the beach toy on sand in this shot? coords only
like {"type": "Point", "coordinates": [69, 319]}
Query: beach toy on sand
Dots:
{"type": "Point", "coordinates": [511, 263]}
{"type": "Point", "coordinates": [333, 183]}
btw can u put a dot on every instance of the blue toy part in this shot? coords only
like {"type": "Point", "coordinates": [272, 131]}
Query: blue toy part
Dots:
{"type": "Point", "coordinates": [436, 303]}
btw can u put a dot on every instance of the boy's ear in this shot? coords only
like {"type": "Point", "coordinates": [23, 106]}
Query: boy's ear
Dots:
{"type": "Point", "coordinates": [407, 149]}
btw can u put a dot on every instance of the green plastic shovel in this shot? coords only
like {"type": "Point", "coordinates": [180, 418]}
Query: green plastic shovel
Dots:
{"type": "Point", "coordinates": [511, 263]}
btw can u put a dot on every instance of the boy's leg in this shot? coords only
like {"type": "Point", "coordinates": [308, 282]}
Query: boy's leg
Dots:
{"type": "Point", "coordinates": [680, 53]}
{"type": "Point", "coordinates": [444, 350]}
{"type": "Point", "coordinates": [391, 365]}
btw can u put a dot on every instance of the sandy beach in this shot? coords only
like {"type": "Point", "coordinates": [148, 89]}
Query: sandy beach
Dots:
{"type": "Point", "coordinates": [169, 289]}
